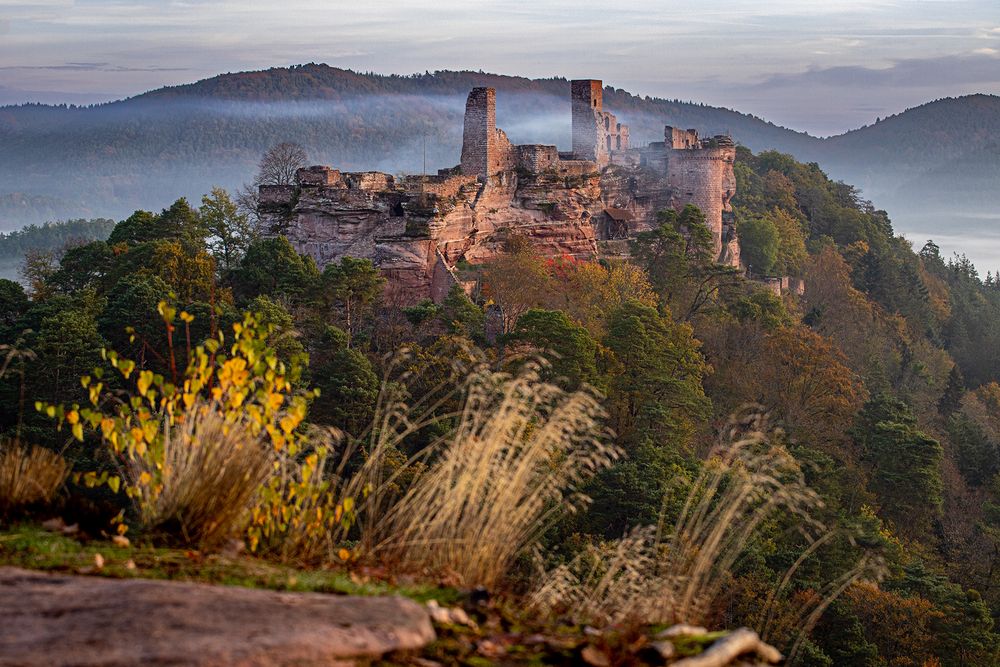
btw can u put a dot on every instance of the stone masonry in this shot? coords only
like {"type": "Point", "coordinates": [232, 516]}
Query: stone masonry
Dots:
{"type": "Point", "coordinates": [596, 133]}
{"type": "Point", "coordinates": [420, 230]}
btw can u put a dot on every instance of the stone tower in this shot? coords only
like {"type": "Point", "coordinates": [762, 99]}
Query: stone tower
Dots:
{"type": "Point", "coordinates": [701, 173]}
{"type": "Point", "coordinates": [485, 148]}
{"type": "Point", "coordinates": [477, 134]}
{"type": "Point", "coordinates": [587, 97]}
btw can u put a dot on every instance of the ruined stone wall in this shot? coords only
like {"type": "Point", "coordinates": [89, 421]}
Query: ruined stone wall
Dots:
{"type": "Point", "coordinates": [479, 130]}
{"type": "Point", "coordinates": [704, 177]}
{"type": "Point", "coordinates": [502, 156]}
{"type": "Point", "coordinates": [680, 139]}
{"type": "Point", "coordinates": [536, 158]}
{"type": "Point", "coordinates": [445, 186]}
{"type": "Point", "coordinates": [319, 175]}
{"type": "Point", "coordinates": [597, 134]}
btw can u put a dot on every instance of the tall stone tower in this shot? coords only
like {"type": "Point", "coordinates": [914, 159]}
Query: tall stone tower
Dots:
{"type": "Point", "coordinates": [480, 132]}
{"type": "Point", "coordinates": [587, 97]}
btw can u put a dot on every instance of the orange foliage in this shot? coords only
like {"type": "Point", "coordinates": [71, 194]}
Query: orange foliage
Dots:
{"type": "Point", "coordinates": [901, 627]}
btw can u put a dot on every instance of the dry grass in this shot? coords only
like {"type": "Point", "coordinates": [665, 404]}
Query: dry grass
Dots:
{"type": "Point", "coordinates": [481, 495]}
{"type": "Point", "coordinates": [212, 470]}
{"type": "Point", "coordinates": [656, 576]}
{"type": "Point", "coordinates": [29, 475]}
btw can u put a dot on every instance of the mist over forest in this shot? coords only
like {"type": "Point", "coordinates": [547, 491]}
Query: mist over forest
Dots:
{"type": "Point", "coordinates": [931, 168]}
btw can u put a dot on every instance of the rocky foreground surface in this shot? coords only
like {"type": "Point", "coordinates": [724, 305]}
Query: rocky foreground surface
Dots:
{"type": "Point", "coordinates": [55, 620]}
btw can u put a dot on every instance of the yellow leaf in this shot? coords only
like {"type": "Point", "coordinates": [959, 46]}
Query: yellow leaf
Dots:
{"type": "Point", "coordinates": [344, 554]}
{"type": "Point", "coordinates": [114, 483]}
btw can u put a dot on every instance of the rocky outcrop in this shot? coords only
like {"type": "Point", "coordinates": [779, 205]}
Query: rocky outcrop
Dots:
{"type": "Point", "coordinates": [52, 620]}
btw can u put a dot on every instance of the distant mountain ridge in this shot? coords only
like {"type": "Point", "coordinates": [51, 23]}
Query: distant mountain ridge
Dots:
{"type": "Point", "coordinates": [144, 151]}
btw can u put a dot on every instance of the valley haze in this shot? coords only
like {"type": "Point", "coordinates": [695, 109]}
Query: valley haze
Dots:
{"type": "Point", "coordinates": [932, 167]}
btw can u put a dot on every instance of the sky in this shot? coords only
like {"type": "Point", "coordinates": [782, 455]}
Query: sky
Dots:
{"type": "Point", "coordinates": [822, 66]}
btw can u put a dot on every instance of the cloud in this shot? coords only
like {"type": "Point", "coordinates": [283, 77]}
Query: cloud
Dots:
{"type": "Point", "coordinates": [92, 67]}
{"type": "Point", "coordinates": [988, 51]}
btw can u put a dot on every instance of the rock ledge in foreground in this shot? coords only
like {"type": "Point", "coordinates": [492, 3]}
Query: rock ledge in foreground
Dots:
{"type": "Point", "coordinates": [60, 620]}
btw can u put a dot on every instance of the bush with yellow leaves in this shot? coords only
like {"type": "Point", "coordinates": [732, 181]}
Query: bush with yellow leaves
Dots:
{"type": "Point", "coordinates": [217, 448]}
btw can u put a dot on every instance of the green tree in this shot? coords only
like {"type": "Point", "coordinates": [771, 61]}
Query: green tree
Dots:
{"type": "Point", "coordinates": [137, 228]}
{"type": "Point", "coordinates": [229, 231]}
{"type": "Point", "coordinates": [905, 463]}
{"type": "Point", "coordinates": [568, 347]}
{"type": "Point", "coordinates": [84, 267]}
{"type": "Point", "coordinates": [461, 316]}
{"type": "Point", "coordinates": [284, 338]}
{"type": "Point", "coordinates": [951, 399]}
{"type": "Point", "coordinates": [678, 257]}
{"type": "Point", "coordinates": [178, 222]}
{"type": "Point", "coordinates": [351, 288]}
{"type": "Point", "coordinates": [272, 267]}
{"type": "Point", "coordinates": [655, 398]}
{"type": "Point", "coordinates": [759, 243]}
{"type": "Point", "coordinates": [13, 304]}
{"type": "Point", "coordinates": [976, 455]}
{"type": "Point", "coordinates": [348, 385]}
{"type": "Point", "coordinates": [132, 303]}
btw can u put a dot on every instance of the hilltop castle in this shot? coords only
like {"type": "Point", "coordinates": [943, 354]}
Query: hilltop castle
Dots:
{"type": "Point", "coordinates": [585, 203]}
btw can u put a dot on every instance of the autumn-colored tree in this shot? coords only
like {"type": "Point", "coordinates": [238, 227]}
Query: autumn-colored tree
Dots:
{"type": "Point", "coordinates": [587, 291]}
{"type": "Point", "coordinates": [792, 371]}
{"type": "Point", "coordinates": [901, 627]}
{"type": "Point", "coordinates": [191, 275]}
{"type": "Point", "coordinates": [515, 282]}
{"type": "Point", "coordinates": [37, 269]}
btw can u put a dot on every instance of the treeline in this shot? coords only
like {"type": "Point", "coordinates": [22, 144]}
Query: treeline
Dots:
{"type": "Point", "coordinates": [53, 237]}
{"type": "Point", "coordinates": [880, 377]}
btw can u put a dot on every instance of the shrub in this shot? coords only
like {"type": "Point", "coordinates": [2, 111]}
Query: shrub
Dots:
{"type": "Point", "coordinates": [214, 449]}
{"type": "Point", "coordinates": [28, 475]}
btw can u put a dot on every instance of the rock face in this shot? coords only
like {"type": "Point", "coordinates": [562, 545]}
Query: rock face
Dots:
{"type": "Point", "coordinates": [418, 229]}
{"type": "Point", "coordinates": [55, 620]}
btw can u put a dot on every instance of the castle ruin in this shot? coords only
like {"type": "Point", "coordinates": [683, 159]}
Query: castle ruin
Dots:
{"type": "Point", "coordinates": [583, 203]}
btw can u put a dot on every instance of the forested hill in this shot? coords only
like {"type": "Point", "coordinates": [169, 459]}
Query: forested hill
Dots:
{"type": "Point", "coordinates": [145, 151]}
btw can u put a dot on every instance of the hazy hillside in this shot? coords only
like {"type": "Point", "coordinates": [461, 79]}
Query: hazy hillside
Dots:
{"type": "Point", "coordinates": [948, 149]}
{"type": "Point", "coordinates": [147, 150]}
{"type": "Point", "coordinates": [107, 160]}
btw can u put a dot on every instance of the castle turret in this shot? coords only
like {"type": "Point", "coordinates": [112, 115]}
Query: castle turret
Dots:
{"type": "Point", "coordinates": [700, 172]}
